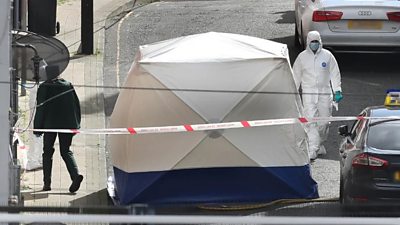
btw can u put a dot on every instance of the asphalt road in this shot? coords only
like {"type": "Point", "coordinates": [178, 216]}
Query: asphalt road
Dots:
{"type": "Point", "coordinates": [365, 77]}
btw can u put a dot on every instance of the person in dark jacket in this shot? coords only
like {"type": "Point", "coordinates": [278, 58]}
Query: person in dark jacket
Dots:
{"type": "Point", "coordinates": [58, 107]}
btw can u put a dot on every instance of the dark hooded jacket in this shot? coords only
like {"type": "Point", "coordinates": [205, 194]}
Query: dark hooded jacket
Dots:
{"type": "Point", "coordinates": [57, 106]}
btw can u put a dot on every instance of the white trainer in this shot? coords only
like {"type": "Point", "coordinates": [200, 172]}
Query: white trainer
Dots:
{"type": "Point", "coordinates": [322, 150]}
{"type": "Point", "coordinates": [312, 155]}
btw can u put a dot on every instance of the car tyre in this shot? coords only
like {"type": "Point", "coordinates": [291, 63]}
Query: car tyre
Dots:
{"type": "Point", "coordinates": [343, 199]}
{"type": "Point", "coordinates": [347, 207]}
{"type": "Point", "coordinates": [341, 187]}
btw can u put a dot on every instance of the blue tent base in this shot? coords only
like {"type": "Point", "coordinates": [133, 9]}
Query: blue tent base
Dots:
{"type": "Point", "coordinates": [215, 185]}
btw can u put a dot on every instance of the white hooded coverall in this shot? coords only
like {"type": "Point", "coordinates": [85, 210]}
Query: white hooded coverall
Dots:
{"type": "Point", "coordinates": [319, 75]}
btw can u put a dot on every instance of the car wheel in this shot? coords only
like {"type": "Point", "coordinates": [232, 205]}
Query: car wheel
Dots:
{"type": "Point", "coordinates": [346, 205]}
{"type": "Point", "coordinates": [343, 193]}
{"type": "Point", "coordinates": [343, 197]}
{"type": "Point", "coordinates": [341, 187]}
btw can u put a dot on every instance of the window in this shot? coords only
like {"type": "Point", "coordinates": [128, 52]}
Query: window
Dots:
{"type": "Point", "coordinates": [385, 136]}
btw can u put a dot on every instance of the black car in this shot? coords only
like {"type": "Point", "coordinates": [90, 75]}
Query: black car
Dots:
{"type": "Point", "coordinates": [370, 158]}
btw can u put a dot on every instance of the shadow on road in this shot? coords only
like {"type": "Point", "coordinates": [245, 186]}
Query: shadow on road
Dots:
{"type": "Point", "coordinates": [368, 63]}
{"type": "Point", "coordinates": [293, 50]}
{"type": "Point", "coordinates": [99, 198]}
{"type": "Point", "coordinates": [109, 103]}
{"type": "Point", "coordinates": [287, 17]}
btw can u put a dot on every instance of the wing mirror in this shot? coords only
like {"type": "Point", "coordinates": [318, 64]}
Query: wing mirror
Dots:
{"type": "Point", "coordinates": [343, 131]}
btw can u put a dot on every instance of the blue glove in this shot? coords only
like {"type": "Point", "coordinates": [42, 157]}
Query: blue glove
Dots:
{"type": "Point", "coordinates": [338, 96]}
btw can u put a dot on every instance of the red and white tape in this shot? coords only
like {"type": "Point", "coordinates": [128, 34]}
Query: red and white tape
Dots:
{"type": "Point", "coordinates": [205, 127]}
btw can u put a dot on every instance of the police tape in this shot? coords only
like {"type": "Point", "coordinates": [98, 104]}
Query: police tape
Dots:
{"type": "Point", "coordinates": [205, 127]}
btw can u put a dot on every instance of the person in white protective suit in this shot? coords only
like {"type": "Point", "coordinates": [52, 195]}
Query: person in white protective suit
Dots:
{"type": "Point", "coordinates": [317, 72]}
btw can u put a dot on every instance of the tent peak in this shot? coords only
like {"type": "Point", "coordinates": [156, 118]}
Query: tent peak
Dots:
{"type": "Point", "coordinates": [212, 47]}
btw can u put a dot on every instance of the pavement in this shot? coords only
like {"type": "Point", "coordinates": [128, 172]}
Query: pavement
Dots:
{"type": "Point", "coordinates": [86, 74]}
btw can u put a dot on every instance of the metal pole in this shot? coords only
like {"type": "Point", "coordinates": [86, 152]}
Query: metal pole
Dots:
{"type": "Point", "coordinates": [87, 27]}
{"type": "Point", "coordinates": [16, 17]}
{"type": "Point", "coordinates": [24, 27]}
{"type": "Point", "coordinates": [5, 36]}
{"type": "Point", "coordinates": [14, 109]}
{"type": "Point", "coordinates": [24, 11]}
{"type": "Point", "coordinates": [13, 81]}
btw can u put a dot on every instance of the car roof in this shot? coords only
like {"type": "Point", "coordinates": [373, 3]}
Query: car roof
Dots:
{"type": "Point", "coordinates": [382, 111]}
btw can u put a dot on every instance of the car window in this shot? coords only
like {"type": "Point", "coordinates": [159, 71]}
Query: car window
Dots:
{"type": "Point", "coordinates": [385, 136]}
{"type": "Point", "coordinates": [353, 129]}
{"type": "Point", "coordinates": [360, 133]}
{"type": "Point", "coordinates": [357, 127]}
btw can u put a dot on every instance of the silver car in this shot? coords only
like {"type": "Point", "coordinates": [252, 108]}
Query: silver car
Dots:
{"type": "Point", "coordinates": [350, 25]}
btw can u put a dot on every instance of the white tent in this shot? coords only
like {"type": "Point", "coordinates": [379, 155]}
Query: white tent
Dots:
{"type": "Point", "coordinates": [210, 78]}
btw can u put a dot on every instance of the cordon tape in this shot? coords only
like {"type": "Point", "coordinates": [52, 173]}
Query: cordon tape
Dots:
{"type": "Point", "coordinates": [205, 127]}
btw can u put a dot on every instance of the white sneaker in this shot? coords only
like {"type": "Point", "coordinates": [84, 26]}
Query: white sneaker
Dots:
{"type": "Point", "coordinates": [312, 155]}
{"type": "Point", "coordinates": [322, 150]}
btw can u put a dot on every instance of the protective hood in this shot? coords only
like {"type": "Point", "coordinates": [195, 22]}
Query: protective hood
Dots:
{"type": "Point", "coordinates": [312, 36]}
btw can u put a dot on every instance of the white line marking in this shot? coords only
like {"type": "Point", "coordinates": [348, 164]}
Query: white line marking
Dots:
{"type": "Point", "coordinates": [118, 47]}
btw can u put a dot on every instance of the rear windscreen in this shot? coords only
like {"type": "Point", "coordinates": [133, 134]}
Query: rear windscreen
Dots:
{"type": "Point", "coordinates": [385, 136]}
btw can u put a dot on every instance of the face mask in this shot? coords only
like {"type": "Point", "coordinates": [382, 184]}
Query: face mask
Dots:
{"type": "Point", "coordinates": [314, 46]}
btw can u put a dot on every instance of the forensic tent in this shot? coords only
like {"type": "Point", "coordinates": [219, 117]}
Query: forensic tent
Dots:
{"type": "Point", "coordinates": [201, 79]}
